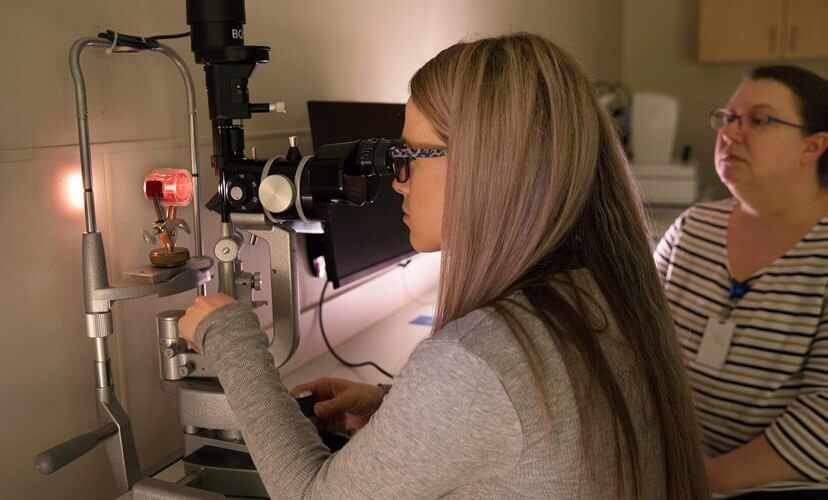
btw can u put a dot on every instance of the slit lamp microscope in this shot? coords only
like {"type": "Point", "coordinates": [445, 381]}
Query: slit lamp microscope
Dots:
{"type": "Point", "coordinates": [273, 200]}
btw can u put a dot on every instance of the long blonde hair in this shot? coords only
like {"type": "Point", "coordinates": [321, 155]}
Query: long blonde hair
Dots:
{"type": "Point", "coordinates": [538, 184]}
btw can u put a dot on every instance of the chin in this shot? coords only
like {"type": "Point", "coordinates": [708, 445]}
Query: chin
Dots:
{"type": "Point", "coordinates": [423, 245]}
{"type": "Point", "coordinates": [732, 174]}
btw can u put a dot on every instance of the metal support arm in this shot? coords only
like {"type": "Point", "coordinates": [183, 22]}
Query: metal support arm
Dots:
{"type": "Point", "coordinates": [116, 430]}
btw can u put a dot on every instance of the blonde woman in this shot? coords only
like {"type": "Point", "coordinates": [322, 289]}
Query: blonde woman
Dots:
{"type": "Point", "coordinates": [552, 371]}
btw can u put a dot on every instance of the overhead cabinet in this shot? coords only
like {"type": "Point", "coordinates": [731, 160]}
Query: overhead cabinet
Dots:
{"type": "Point", "coordinates": [762, 30]}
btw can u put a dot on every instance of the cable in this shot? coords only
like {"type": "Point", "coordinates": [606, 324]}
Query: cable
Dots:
{"type": "Point", "coordinates": [404, 266]}
{"type": "Point", "coordinates": [169, 37]}
{"type": "Point", "coordinates": [122, 42]}
{"type": "Point", "coordinates": [330, 348]}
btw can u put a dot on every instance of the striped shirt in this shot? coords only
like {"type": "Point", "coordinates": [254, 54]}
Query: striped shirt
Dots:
{"type": "Point", "coordinates": [775, 376]}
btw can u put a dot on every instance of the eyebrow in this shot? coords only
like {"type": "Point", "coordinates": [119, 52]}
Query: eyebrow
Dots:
{"type": "Point", "coordinates": [757, 106]}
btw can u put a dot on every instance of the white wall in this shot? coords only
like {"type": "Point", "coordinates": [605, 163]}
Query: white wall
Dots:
{"type": "Point", "coordinates": [323, 49]}
{"type": "Point", "coordinates": [355, 50]}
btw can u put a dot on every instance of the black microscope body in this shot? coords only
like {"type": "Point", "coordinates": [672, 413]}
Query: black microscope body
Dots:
{"type": "Point", "coordinates": [337, 173]}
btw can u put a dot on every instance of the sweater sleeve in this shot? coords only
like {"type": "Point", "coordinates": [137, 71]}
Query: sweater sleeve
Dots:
{"type": "Point", "coordinates": [447, 421]}
{"type": "Point", "coordinates": [800, 435]}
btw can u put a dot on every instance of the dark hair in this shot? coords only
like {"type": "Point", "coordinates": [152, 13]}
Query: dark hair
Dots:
{"type": "Point", "coordinates": [811, 91]}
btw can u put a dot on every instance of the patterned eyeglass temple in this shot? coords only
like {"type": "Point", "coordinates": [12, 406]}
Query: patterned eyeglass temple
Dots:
{"type": "Point", "coordinates": [416, 153]}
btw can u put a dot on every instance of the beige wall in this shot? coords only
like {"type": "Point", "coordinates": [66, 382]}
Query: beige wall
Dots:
{"type": "Point", "coordinates": [659, 54]}
{"type": "Point", "coordinates": [354, 50]}
{"type": "Point", "coordinates": [323, 49]}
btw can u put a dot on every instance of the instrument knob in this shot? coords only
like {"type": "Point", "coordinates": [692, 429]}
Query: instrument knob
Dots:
{"type": "Point", "coordinates": [277, 193]}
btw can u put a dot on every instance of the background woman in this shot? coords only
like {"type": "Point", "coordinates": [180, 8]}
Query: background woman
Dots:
{"type": "Point", "coordinates": [746, 279]}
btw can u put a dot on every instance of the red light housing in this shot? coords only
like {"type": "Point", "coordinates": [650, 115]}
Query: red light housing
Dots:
{"type": "Point", "coordinates": [173, 185]}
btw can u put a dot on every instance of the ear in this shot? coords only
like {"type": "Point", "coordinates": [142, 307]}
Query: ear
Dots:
{"type": "Point", "coordinates": [815, 146]}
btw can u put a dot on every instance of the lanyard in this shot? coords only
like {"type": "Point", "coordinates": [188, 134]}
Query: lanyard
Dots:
{"type": "Point", "coordinates": [715, 342]}
{"type": "Point", "coordinates": [737, 291]}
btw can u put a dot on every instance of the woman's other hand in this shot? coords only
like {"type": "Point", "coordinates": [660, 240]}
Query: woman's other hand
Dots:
{"type": "Point", "coordinates": [342, 405]}
{"type": "Point", "coordinates": [202, 306]}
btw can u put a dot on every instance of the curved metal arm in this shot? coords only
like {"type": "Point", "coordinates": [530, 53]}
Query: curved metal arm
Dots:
{"type": "Point", "coordinates": [83, 124]}
{"type": "Point", "coordinates": [83, 133]}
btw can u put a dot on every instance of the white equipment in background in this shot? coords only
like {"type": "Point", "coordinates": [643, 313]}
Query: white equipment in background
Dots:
{"type": "Point", "coordinates": [667, 185]}
{"type": "Point", "coordinates": [653, 127]}
{"type": "Point", "coordinates": [663, 180]}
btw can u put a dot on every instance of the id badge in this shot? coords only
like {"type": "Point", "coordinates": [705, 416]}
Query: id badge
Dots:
{"type": "Point", "coordinates": [715, 342]}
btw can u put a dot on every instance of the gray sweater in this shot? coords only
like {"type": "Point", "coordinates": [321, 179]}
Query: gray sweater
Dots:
{"type": "Point", "coordinates": [462, 419]}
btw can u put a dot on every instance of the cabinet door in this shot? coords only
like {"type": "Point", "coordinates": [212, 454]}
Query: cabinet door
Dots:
{"type": "Point", "coordinates": [740, 30]}
{"type": "Point", "coordinates": [807, 33]}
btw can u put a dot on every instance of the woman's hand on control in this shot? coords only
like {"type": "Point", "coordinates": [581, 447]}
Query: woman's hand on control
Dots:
{"type": "Point", "coordinates": [342, 405]}
{"type": "Point", "coordinates": [202, 306]}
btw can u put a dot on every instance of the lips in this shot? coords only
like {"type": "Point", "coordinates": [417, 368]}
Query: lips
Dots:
{"type": "Point", "coordinates": [731, 157]}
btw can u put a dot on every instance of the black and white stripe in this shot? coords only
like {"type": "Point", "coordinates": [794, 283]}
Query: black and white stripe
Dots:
{"type": "Point", "coordinates": [775, 378]}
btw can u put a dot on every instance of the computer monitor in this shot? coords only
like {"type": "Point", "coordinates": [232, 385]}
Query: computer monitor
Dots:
{"type": "Point", "coordinates": [359, 241]}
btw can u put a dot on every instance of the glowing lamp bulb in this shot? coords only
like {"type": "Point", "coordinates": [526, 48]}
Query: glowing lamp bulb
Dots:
{"type": "Point", "coordinates": [173, 185]}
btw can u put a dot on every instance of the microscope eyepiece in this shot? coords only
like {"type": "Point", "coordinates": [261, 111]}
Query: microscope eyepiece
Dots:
{"type": "Point", "coordinates": [374, 157]}
{"type": "Point", "coordinates": [349, 172]}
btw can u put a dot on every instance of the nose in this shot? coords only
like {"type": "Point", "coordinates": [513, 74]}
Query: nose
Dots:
{"type": "Point", "coordinates": [731, 132]}
{"type": "Point", "coordinates": [401, 187]}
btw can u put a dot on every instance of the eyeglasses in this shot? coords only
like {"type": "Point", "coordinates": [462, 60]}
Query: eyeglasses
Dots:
{"type": "Point", "coordinates": [401, 158]}
{"type": "Point", "coordinates": [752, 120]}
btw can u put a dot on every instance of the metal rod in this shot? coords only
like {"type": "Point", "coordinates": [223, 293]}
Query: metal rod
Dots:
{"type": "Point", "coordinates": [227, 269]}
{"type": "Point", "coordinates": [194, 156]}
{"type": "Point", "coordinates": [83, 124]}
{"type": "Point", "coordinates": [103, 375]}
{"type": "Point", "coordinates": [159, 212]}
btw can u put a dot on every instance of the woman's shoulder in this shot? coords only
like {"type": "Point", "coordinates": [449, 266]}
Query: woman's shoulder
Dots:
{"type": "Point", "coordinates": [447, 362]}
{"type": "Point", "coordinates": [710, 209]}
{"type": "Point", "coordinates": [713, 208]}
{"type": "Point", "coordinates": [724, 205]}
{"type": "Point", "coordinates": [496, 334]}
{"type": "Point", "coordinates": [713, 214]}
{"type": "Point", "coordinates": [488, 325]}
{"type": "Point", "coordinates": [455, 335]}
{"type": "Point", "coordinates": [478, 320]}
